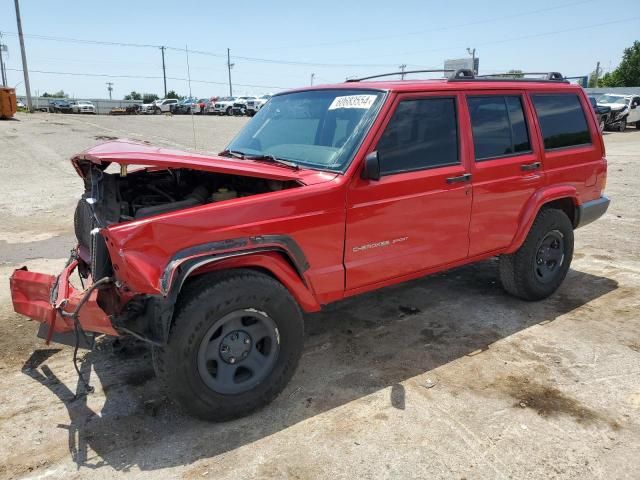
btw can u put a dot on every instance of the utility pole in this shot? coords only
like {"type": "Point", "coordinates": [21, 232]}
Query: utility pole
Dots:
{"type": "Point", "coordinates": [402, 69]}
{"type": "Point", "coordinates": [313, 75]}
{"type": "Point", "coordinates": [3, 75]}
{"type": "Point", "coordinates": [27, 86]}
{"type": "Point", "coordinates": [164, 73]}
{"type": "Point", "coordinates": [110, 88]}
{"type": "Point", "coordinates": [595, 82]}
{"type": "Point", "coordinates": [472, 52]}
{"type": "Point", "coordinates": [229, 67]}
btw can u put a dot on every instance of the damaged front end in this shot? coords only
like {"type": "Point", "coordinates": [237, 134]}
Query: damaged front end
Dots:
{"type": "Point", "coordinates": [57, 304]}
{"type": "Point", "coordinates": [147, 186]}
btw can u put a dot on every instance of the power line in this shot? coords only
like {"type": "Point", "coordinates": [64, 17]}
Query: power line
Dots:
{"type": "Point", "coordinates": [199, 52]}
{"type": "Point", "coordinates": [343, 65]}
{"type": "Point", "coordinates": [146, 77]}
{"type": "Point", "coordinates": [510, 39]}
{"type": "Point", "coordinates": [85, 41]}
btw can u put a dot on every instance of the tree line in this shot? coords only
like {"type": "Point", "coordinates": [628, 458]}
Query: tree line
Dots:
{"type": "Point", "coordinates": [150, 97]}
{"type": "Point", "coordinates": [627, 74]}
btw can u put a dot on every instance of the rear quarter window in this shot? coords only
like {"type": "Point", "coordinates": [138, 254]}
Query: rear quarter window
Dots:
{"type": "Point", "coordinates": [562, 120]}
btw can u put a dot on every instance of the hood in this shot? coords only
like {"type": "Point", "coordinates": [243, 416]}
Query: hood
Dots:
{"type": "Point", "coordinates": [129, 152]}
{"type": "Point", "coordinates": [613, 106]}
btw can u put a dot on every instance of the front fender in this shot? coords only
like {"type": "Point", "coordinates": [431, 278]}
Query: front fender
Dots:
{"type": "Point", "coordinates": [533, 206]}
{"type": "Point", "coordinates": [275, 264]}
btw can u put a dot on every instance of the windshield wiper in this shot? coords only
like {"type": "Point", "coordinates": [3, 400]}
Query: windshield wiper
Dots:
{"type": "Point", "coordinates": [232, 153]}
{"type": "Point", "coordinates": [272, 159]}
{"type": "Point", "coordinates": [262, 157]}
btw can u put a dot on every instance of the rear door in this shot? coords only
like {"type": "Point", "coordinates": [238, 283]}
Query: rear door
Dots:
{"type": "Point", "coordinates": [416, 216]}
{"type": "Point", "coordinates": [506, 167]}
{"type": "Point", "coordinates": [573, 146]}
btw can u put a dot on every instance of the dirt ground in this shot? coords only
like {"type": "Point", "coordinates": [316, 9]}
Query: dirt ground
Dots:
{"type": "Point", "coordinates": [443, 377]}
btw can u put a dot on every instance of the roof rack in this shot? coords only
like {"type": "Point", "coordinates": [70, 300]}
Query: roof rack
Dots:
{"type": "Point", "coordinates": [350, 80]}
{"type": "Point", "coordinates": [466, 75]}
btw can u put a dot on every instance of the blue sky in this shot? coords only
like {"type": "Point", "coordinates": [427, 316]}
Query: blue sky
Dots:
{"type": "Point", "coordinates": [279, 44]}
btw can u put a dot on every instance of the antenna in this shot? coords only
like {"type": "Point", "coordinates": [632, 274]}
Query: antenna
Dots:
{"type": "Point", "coordinates": [193, 124]}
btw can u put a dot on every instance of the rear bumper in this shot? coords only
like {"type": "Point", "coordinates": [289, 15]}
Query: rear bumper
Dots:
{"type": "Point", "coordinates": [43, 298]}
{"type": "Point", "coordinates": [591, 211]}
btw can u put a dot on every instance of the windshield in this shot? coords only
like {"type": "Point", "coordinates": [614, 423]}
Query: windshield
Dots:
{"type": "Point", "coordinates": [317, 128]}
{"type": "Point", "coordinates": [612, 99]}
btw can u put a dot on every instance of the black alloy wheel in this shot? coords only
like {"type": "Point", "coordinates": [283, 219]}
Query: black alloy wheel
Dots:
{"type": "Point", "coordinates": [549, 256]}
{"type": "Point", "coordinates": [238, 351]}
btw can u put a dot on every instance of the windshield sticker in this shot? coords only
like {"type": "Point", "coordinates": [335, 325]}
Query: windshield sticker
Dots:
{"type": "Point", "coordinates": [353, 101]}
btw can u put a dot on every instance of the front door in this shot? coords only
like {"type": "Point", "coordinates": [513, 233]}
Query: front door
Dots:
{"type": "Point", "coordinates": [417, 215]}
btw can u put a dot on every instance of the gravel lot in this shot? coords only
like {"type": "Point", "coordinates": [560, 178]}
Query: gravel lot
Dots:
{"type": "Point", "coordinates": [443, 377]}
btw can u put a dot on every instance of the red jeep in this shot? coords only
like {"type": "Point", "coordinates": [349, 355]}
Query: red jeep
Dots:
{"type": "Point", "coordinates": [327, 192]}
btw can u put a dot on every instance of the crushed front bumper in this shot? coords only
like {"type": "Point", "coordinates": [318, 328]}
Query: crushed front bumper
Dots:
{"type": "Point", "coordinates": [52, 300]}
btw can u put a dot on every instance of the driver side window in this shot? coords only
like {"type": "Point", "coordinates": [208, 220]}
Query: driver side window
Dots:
{"type": "Point", "coordinates": [422, 134]}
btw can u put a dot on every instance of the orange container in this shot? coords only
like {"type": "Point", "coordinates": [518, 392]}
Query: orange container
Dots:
{"type": "Point", "coordinates": [7, 102]}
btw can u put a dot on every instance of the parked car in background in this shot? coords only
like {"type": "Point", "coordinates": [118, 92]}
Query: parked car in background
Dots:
{"type": "Point", "coordinates": [83, 106]}
{"type": "Point", "coordinates": [20, 104]}
{"type": "Point", "coordinates": [255, 104]}
{"type": "Point", "coordinates": [165, 105]}
{"type": "Point", "coordinates": [625, 110]}
{"type": "Point", "coordinates": [602, 112]}
{"type": "Point", "coordinates": [223, 106]}
{"type": "Point", "coordinates": [147, 108]}
{"type": "Point", "coordinates": [240, 105]}
{"type": "Point", "coordinates": [200, 106]}
{"type": "Point", "coordinates": [60, 106]}
{"type": "Point", "coordinates": [210, 105]}
{"type": "Point", "coordinates": [184, 106]}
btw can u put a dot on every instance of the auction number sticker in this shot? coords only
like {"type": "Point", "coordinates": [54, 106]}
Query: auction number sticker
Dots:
{"type": "Point", "coordinates": [353, 101]}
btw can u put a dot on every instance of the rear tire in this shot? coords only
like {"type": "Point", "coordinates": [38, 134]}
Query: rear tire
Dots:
{"type": "Point", "coordinates": [235, 343]}
{"type": "Point", "coordinates": [540, 265]}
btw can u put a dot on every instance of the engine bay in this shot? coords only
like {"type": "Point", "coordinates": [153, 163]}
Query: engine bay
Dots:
{"type": "Point", "coordinates": [127, 196]}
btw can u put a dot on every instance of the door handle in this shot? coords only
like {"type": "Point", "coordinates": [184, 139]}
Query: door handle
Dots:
{"type": "Point", "coordinates": [462, 178]}
{"type": "Point", "coordinates": [530, 166]}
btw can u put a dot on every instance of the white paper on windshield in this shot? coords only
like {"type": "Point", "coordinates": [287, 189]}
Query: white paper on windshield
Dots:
{"type": "Point", "coordinates": [353, 101]}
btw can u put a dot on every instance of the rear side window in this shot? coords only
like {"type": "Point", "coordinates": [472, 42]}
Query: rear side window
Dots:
{"type": "Point", "coordinates": [421, 134]}
{"type": "Point", "coordinates": [562, 120]}
{"type": "Point", "coordinates": [498, 125]}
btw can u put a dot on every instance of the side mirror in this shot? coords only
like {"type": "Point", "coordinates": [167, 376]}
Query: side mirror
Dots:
{"type": "Point", "coordinates": [371, 170]}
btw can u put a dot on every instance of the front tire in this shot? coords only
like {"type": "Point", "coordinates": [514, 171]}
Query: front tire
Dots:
{"type": "Point", "coordinates": [540, 265]}
{"type": "Point", "coordinates": [235, 343]}
{"type": "Point", "coordinates": [623, 125]}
